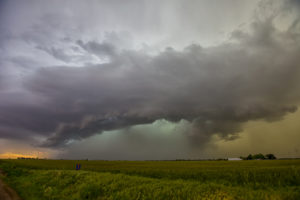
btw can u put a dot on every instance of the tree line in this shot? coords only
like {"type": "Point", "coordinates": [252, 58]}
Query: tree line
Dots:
{"type": "Point", "coordinates": [259, 157]}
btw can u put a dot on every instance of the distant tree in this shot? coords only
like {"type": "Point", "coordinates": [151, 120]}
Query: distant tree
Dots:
{"type": "Point", "coordinates": [243, 158]}
{"type": "Point", "coordinates": [249, 157]}
{"type": "Point", "coordinates": [270, 156]}
{"type": "Point", "coordinates": [258, 156]}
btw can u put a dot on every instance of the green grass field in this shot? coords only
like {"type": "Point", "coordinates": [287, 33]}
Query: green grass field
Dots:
{"type": "Point", "coordinates": [58, 179]}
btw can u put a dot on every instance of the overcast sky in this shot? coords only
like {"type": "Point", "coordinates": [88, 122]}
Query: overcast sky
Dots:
{"type": "Point", "coordinates": [161, 79]}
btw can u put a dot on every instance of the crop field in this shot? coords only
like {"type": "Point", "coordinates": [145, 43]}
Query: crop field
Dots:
{"type": "Point", "coordinates": [58, 179]}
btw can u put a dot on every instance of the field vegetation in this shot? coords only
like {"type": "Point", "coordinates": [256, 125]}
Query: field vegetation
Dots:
{"type": "Point", "coordinates": [58, 179]}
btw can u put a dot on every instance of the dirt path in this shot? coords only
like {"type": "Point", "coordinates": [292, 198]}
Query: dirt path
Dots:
{"type": "Point", "coordinates": [6, 193]}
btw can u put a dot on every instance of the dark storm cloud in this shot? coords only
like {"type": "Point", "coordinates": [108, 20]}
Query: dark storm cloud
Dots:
{"type": "Point", "coordinates": [103, 49]}
{"type": "Point", "coordinates": [217, 89]}
{"type": "Point", "coordinates": [255, 76]}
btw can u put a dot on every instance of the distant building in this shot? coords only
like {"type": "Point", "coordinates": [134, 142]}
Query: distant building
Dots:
{"type": "Point", "coordinates": [234, 159]}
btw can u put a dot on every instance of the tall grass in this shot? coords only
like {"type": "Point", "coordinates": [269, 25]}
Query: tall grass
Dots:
{"type": "Point", "coordinates": [57, 179]}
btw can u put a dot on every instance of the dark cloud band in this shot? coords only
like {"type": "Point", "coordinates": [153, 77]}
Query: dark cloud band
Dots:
{"type": "Point", "coordinates": [255, 76]}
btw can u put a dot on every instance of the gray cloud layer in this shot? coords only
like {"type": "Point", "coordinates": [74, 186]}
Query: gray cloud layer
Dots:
{"type": "Point", "coordinates": [254, 76]}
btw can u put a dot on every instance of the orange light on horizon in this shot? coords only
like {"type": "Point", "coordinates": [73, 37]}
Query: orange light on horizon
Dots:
{"type": "Point", "coordinates": [10, 155]}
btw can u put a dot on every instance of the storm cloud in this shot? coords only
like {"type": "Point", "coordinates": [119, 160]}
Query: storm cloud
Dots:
{"type": "Point", "coordinates": [87, 86]}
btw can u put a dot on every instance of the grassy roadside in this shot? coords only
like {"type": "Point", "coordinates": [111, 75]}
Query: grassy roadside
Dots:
{"type": "Point", "coordinates": [63, 185]}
